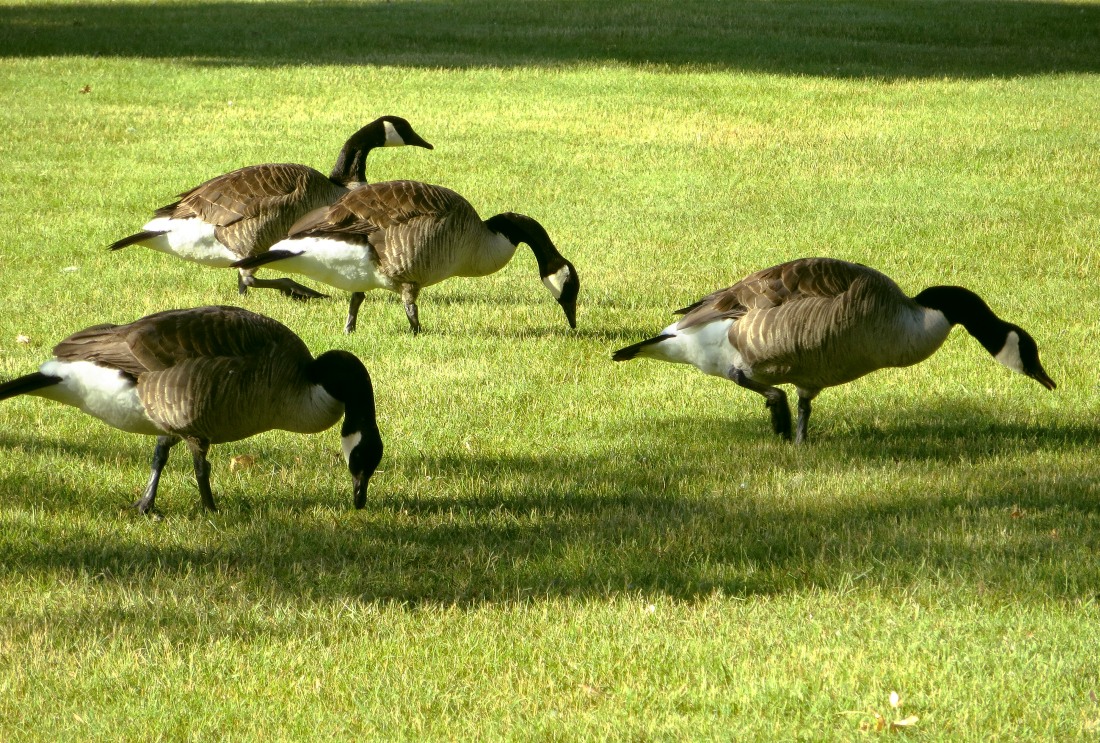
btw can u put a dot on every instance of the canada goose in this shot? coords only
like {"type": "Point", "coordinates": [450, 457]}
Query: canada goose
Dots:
{"type": "Point", "coordinates": [405, 235]}
{"type": "Point", "coordinates": [210, 375]}
{"type": "Point", "coordinates": [241, 213]}
{"type": "Point", "coordinates": [820, 322]}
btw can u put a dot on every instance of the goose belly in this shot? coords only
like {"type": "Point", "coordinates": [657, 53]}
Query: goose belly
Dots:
{"type": "Point", "coordinates": [190, 239]}
{"type": "Point", "coordinates": [104, 393]}
{"type": "Point", "coordinates": [706, 347]}
{"type": "Point", "coordinates": [338, 263]}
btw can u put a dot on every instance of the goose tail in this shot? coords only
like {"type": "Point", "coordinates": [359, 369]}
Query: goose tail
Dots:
{"type": "Point", "coordinates": [255, 261]}
{"type": "Point", "coordinates": [26, 384]}
{"type": "Point", "coordinates": [136, 238]}
{"type": "Point", "coordinates": [632, 351]}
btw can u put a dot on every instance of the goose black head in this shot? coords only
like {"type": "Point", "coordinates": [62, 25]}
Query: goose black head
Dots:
{"type": "Point", "coordinates": [385, 131]}
{"type": "Point", "coordinates": [1020, 354]}
{"type": "Point", "coordinates": [558, 275]}
{"type": "Point", "coordinates": [345, 378]}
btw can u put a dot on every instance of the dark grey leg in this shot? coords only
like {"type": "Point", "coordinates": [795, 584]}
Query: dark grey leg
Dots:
{"type": "Point", "coordinates": [199, 448]}
{"type": "Point", "coordinates": [353, 311]}
{"type": "Point", "coordinates": [242, 285]}
{"type": "Point", "coordinates": [146, 503]}
{"type": "Point", "coordinates": [409, 293]}
{"type": "Point", "coordinates": [776, 400]}
{"type": "Point", "coordinates": [803, 419]}
{"type": "Point", "coordinates": [288, 287]}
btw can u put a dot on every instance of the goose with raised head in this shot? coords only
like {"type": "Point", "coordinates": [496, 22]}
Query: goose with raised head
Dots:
{"type": "Point", "coordinates": [405, 235]}
{"type": "Point", "coordinates": [821, 322]}
{"type": "Point", "coordinates": [207, 376]}
{"type": "Point", "coordinates": [243, 212]}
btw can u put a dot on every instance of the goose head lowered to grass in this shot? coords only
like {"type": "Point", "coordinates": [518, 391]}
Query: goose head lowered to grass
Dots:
{"type": "Point", "coordinates": [206, 376]}
{"type": "Point", "coordinates": [820, 322]}
{"type": "Point", "coordinates": [404, 235]}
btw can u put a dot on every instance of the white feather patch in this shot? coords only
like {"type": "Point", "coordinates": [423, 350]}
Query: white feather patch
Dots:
{"type": "Point", "coordinates": [393, 139]}
{"type": "Point", "coordinates": [1009, 355]}
{"type": "Point", "coordinates": [349, 443]}
{"type": "Point", "coordinates": [555, 282]}
{"type": "Point", "coordinates": [104, 393]}
{"type": "Point", "coordinates": [706, 347]}
{"type": "Point", "coordinates": [190, 239]}
{"type": "Point", "coordinates": [334, 262]}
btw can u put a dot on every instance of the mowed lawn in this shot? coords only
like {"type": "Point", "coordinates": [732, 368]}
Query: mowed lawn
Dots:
{"type": "Point", "coordinates": [558, 547]}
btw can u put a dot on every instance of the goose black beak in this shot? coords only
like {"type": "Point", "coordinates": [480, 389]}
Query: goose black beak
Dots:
{"type": "Point", "coordinates": [417, 141]}
{"type": "Point", "coordinates": [359, 487]}
{"type": "Point", "coordinates": [1041, 377]}
{"type": "Point", "coordinates": [570, 308]}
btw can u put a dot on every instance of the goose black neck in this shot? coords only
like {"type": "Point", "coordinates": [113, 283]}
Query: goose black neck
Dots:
{"type": "Point", "coordinates": [963, 307]}
{"type": "Point", "coordinates": [351, 163]}
{"type": "Point", "coordinates": [344, 377]}
{"type": "Point", "coordinates": [519, 228]}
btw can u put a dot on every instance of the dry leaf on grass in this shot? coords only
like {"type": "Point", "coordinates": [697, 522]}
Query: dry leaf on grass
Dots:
{"type": "Point", "coordinates": [22, 339]}
{"type": "Point", "coordinates": [242, 462]}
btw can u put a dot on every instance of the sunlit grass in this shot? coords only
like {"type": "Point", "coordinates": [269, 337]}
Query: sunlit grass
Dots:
{"type": "Point", "coordinates": [556, 546]}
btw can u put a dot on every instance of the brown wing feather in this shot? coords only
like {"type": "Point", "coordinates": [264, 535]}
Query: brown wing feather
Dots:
{"type": "Point", "coordinates": [379, 206]}
{"type": "Point", "coordinates": [821, 278]}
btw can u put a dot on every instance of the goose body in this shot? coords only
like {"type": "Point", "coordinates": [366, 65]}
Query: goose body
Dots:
{"type": "Point", "coordinates": [405, 235]}
{"type": "Point", "coordinates": [207, 376]}
{"type": "Point", "coordinates": [243, 212]}
{"type": "Point", "coordinates": [820, 322]}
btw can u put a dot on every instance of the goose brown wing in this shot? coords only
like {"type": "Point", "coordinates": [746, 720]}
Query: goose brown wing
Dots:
{"type": "Point", "coordinates": [245, 193]}
{"type": "Point", "coordinates": [808, 278]}
{"type": "Point", "coordinates": [165, 339]}
{"type": "Point", "coordinates": [380, 206]}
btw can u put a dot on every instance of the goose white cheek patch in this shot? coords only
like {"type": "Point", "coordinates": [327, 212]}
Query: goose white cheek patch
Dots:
{"type": "Point", "coordinates": [393, 139]}
{"type": "Point", "coordinates": [349, 443]}
{"type": "Point", "coordinates": [555, 282]}
{"type": "Point", "coordinates": [1010, 354]}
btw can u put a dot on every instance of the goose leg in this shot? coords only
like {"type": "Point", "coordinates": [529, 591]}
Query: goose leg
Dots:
{"type": "Point", "coordinates": [288, 287]}
{"type": "Point", "coordinates": [776, 401]}
{"type": "Point", "coordinates": [803, 419]}
{"type": "Point", "coordinates": [199, 448]}
{"type": "Point", "coordinates": [353, 311]}
{"type": "Point", "coordinates": [145, 504]}
{"type": "Point", "coordinates": [409, 293]}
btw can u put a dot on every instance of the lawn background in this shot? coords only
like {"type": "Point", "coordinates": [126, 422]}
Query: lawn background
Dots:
{"type": "Point", "coordinates": [556, 546]}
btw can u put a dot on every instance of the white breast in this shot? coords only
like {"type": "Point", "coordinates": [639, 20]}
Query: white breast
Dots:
{"type": "Point", "coordinates": [105, 393]}
{"type": "Point", "coordinates": [190, 239]}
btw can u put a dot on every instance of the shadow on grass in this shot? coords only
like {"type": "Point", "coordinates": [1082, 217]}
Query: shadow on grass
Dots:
{"type": "Point", "coordinates": [874, 38]}
{"type": "Point", "coordinates": [954, 499]}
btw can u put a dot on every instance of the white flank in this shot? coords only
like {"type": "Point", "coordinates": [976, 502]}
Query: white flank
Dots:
{"type": "Point", "coordinates": [1010, 354]}
{"type": "Point", "coordinates": [393, 139]}
{"type": "Point", "coordinates": [349, 443]}
{"type": "Point", "coordinates": [190, 239]}
{"type": "Point", "coordinates": [333, 262]}
{"type": "Point", "coordinates": [105, 393]}
{"type": "Point", "coordinates": [706, 347]}
{"type": "Point", "coordinates": [555, 282]}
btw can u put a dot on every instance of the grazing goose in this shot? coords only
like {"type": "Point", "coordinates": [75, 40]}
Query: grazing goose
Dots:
{"type": "Point", "coordinates": [242, 213]}
{"type": "Point", "coordinates": [405, 235]}
{"type": "Point", "coordinates": [206, 376]}
{"type": "Point", "coordinates": [819, 322]}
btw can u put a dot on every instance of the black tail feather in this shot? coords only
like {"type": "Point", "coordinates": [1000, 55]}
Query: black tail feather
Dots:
{"type": "Point", "coordinates": [626, 354]}
{"type": "Point", "coordinates": [137, 237]}
{"type": "Point", "coordinates": [26, 384]}
{"type": "Point", "coordinates": [255, 261]}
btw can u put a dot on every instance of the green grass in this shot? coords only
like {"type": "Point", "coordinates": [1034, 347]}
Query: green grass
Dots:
{"type": "Point", "coordinates": [559, 547]}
